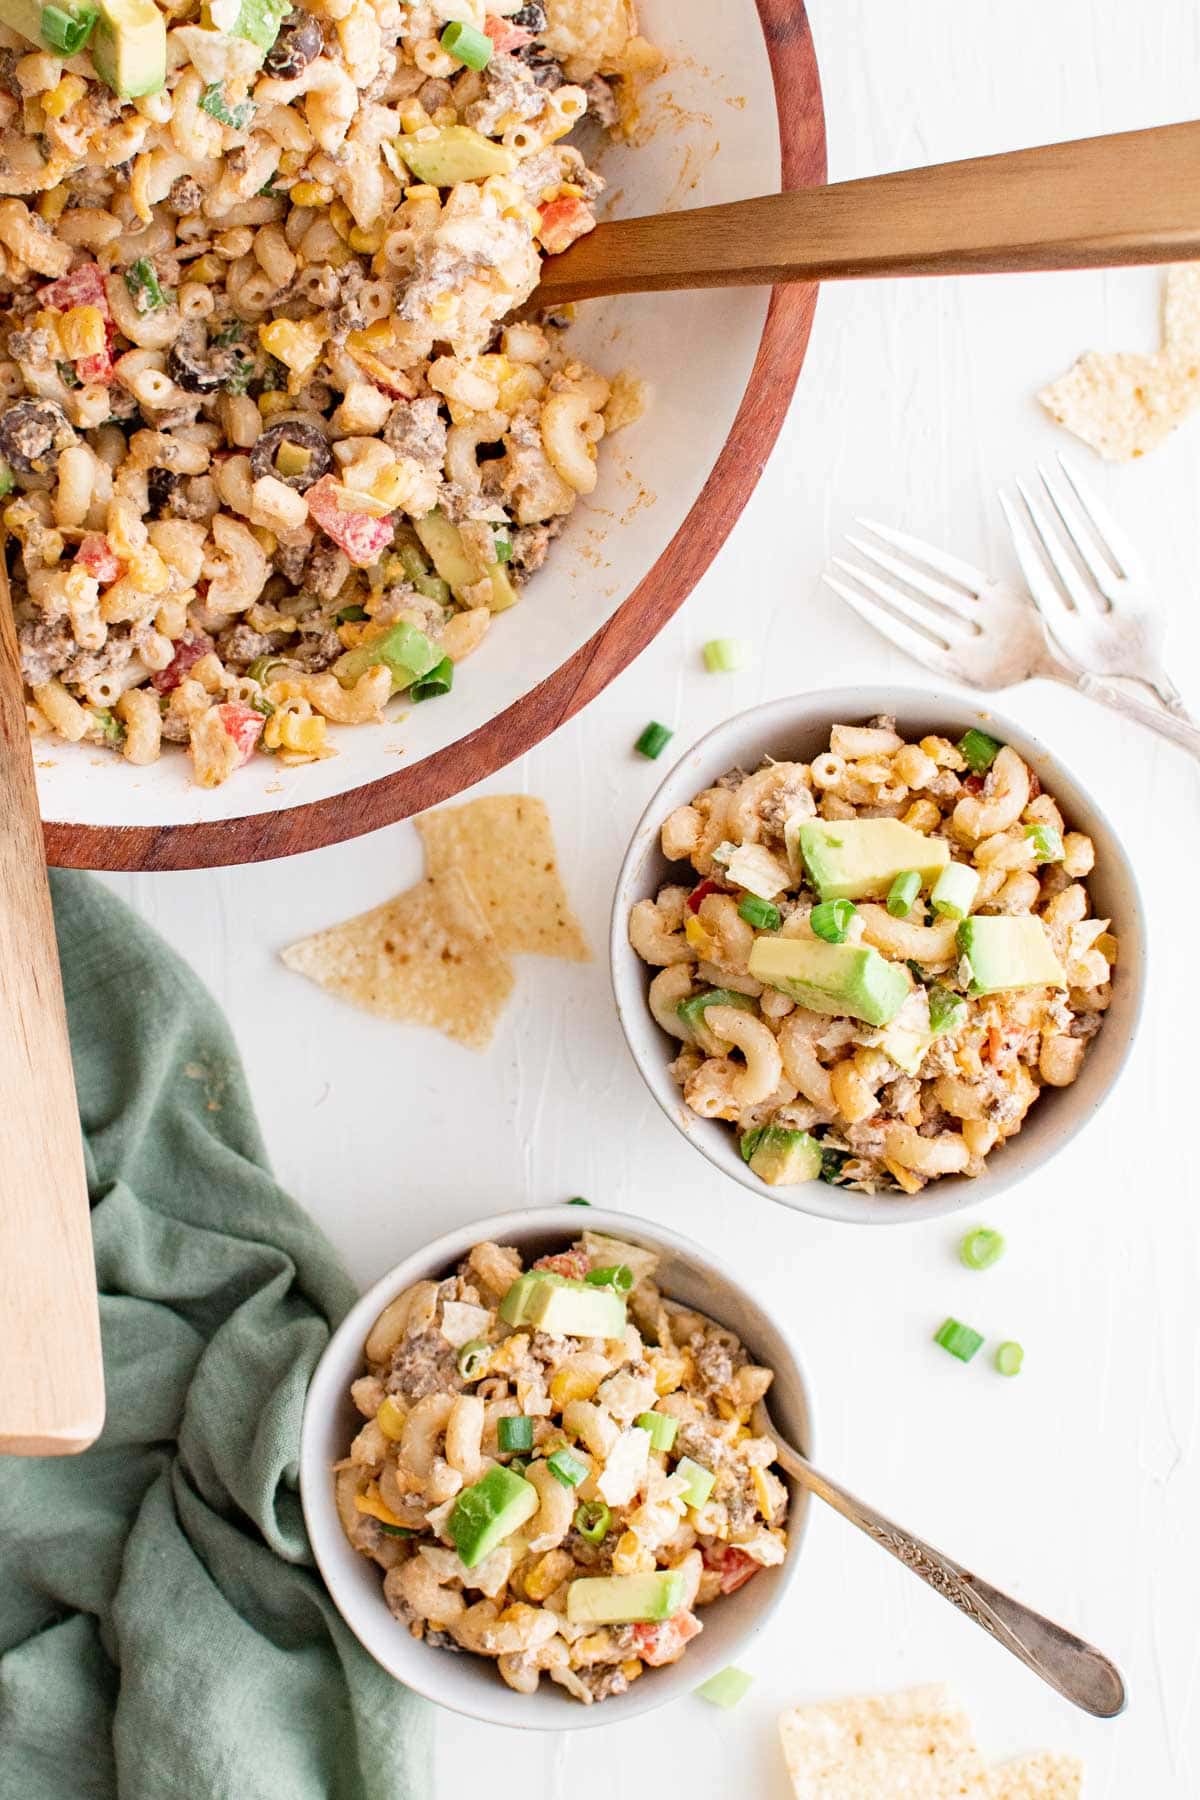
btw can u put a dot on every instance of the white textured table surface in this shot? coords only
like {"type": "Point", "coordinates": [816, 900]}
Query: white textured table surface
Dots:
{"type": "Point", "coordinates": [1077, 1486]}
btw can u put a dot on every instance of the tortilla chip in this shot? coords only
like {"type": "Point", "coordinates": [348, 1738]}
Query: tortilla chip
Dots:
{"type": "Point", "coordinates": [427, 957]}
{"type": "Point", "coordinates": [505, 848]}
{"type": "Point", "coordinates": [1125, 403]}
{"type": "Point", "coordinates": [1181, 310]}
{"type": "Point", "coordinates": [916, 1745]}
{"type": "Point", "coordinates": [1042, 1776]}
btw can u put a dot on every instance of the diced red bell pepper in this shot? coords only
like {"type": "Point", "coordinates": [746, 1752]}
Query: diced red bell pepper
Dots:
{"type": "Point", "coordinates": [734, 1566]}
{"type": "Point", "coordinates": [188, 650]}
{"type": "Point", "coordinates": [972, 784]}
{"type": "Point", "coordinates": [363, 538]}
{"type": "Point", "coordinates": [96, 555]}
{"type": "Point", "coordinates": [659, 1644]}
{"type": "Point", "coordinates": [563, 221]}
{"type": "Point", "coordinates": [571, 1263]}
{"type": "Point", "coordinates": [698, 895]}
{"type": "Point", "coordinates": [96, 370]}
{"type": "Point", "coordinates": [506, 37]}
{"type": "Point", "coordinates": [84, 286]}
{"type": "Point", "coordinates": [243, 725]}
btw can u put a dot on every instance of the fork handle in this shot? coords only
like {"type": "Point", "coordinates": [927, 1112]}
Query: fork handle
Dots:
{"type": "Point", "coordinates": [1167, 724]}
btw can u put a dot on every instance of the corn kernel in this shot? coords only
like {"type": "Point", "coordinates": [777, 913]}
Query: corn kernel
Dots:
{"type": "Point", "coordinates": [366, 242]}
{"type": "Point", "coordinates": [922, 815]}
{"type": "Point", "coordinates": [297, 343]}
{"type": "Point", "coordinates": [630, 1556]}
{"type": "Point", "coordinates": [53, 203]}
{"type": "Point", "coordinates": [341, 218]}
{"type": "Point", "coordinates": [371, 1504]}
{"type": "Point", "coordinates": [311, 193]}
{"type": "Point", "coordinates": [272, 402]}
{"type": "Point", "coordinates": [62, 98]}
{"type": "Point", "coordinates": [632, 1669]}
{"type": "Point", "coordinates": [766, 1502]}
{"type": "Point", "coordinates": [511, 1353]}
{"type": "Point", "coordinates": [206, 268]}
{"type": "Point", "coordinates": [549, 1572]}
{"type": "Point", "coordinates": [292, 161]}
{"type": "Point", "coordinates": [268, 540]}
{"type": "Point", "coordinates": [81, 332]}
{"type": "Point", "coordinates": [698, 937]}
{"type": "Point", "coordinates": [306, 736]}
{"type": "Point", "coordinates": [669, 1371]}
{"type": "Point", "coordinates": [574, 1384]}
{"type": "Point", "coordinates": [390, 1417]}
{"type": "Point", "coordinates": [443, 308]}
{"type": "Point", "coordinates": [910, 1183]}
{"type": "Point", "coordinates": [413, 116]}
{"type": "Point", "coordinates": [391, 487]}
{"type": "Point", "coordinates": [148, 573]}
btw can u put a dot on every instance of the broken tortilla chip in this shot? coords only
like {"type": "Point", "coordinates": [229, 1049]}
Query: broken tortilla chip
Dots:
{"type": "Point", "coordinates": [504, 846]}
{"type": "Point", "coordinates": [1041, 1776]}
{"type": "Point", "coordinates": [427, 957]}
{"type": "Point", "coordinates": [1124, 403]}
{"type": "Point", "coordinates": [915, 1745]}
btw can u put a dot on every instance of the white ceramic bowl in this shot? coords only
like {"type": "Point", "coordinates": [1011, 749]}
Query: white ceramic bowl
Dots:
{"type": "Point", "coordinates": [714, 133]}
{"type": "Point", "coordinates": [797, 729]}
{"type": "Point", "coordinates": [471, 1684]}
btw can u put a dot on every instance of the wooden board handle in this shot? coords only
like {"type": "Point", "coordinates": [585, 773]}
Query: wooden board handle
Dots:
{"type": "Point", "coordinates": [51, 1376]}
{"type": "Point", "coordinates": [1133, 197]}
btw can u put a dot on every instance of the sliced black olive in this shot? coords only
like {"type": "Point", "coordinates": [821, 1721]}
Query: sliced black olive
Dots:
{"type": "Point", "coordinates": [160, 485]}
{"type": "Point", "coordinates": [190, 365]}
{"type": "Point", "coordinates": [32, 432]}
{"type": "Point", "coordinates": [530, 18]}
{"type": "Point", "coordinates": [300, 42]}
{"type": "Point", "coordinates": [264, 457]}
{"type": "Point", "coordinates": [546, 72]}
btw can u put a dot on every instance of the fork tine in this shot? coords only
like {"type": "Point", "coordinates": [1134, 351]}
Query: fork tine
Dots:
{"type": "Point", "coordinates": [1112, 538]}
{"type": "Point", "coordinates": [1057, 556]}
{"type": "Point", "coordinates": [974, 580]}
{"type": "Point", "coordinates": [918, 612]}
{"type": "Point", "coordinates": [1083, 535]}
{"type": "Point", "coordinates": [926, 584]}
{"type": "Point", "coordinates": [1046, 597]}
{"type": "Point", "coordinates": [909, 638]}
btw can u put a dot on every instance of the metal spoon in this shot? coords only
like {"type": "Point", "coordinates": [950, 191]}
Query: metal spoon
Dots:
{"type": "Point", "coordinates": [1079, 1672]}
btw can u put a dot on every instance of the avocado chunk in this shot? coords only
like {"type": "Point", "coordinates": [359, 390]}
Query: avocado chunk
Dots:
{"type": "Point", "coordinates": [456, 154]}
{"type": "Point", "coordinates": [443, 543]}
{"type": "Point", "coordinates": [625, 1599]}
{"type": "Point", "coordinates": [1006, 952]}
{"type": "Point", "coordinates": [858, 859]}
{"type": "Point", "coordinates": [129, 47]}
{"type": "Point", "coordinates": [485, 1514]}
{"type": "Point", "coordinates": [849, 981]}
{"type": "Point", "coordinates": [550, 1302]}
{"type": "Point", "coordinates": [780, 1157]}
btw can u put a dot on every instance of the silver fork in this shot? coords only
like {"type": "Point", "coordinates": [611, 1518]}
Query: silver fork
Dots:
{"type": "Point", "coordinates": [1104, 624]}
{"type": "Point", "coordinates": [953, 618]}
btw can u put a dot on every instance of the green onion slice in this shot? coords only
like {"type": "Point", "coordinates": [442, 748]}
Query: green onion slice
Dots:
{"type": "Point", "coordinates": [401, 1531]}
{"type": "Point", "coordinates": [515, 1432]}
{"type": "Point", "coordinates": [722, 656]}
{"type": "Point", "coordinates": [981, 1248]}
{"type": "Point", "coordinates": [653, 740]}
{"type": "Point", "coordinates": [265, 669]}
{"type": "Point", "coordinates": [566, 1468]}
{"type": "Point", "coordinates": [592, 1520]}
{"type": "Point", "coordinates": [1009, 1357]}
{"type": "Point", "coordinates": [832, 1163]}
{"type": "Point", "coordinates": [947, 1010]}
{"type": "Point", "coordinates": [438, 681]}
{"type": "Point", "coordinates": [578, 1200]}
{"type": "Point", "coordinates": [503, 545]}
{"type": "Point", "coordinates": [760, 913]}
{"type": "Point", "coordinates": [67, 31]}
{"type": "Point", "coordinates": [6, 479]}
{"type": "Point", "coordinates": [1047, 842]}
{"type": "Point", "coordinates": [467, 44]}
{"type": "Point", "coordinates": [472, 1359]}
{"type": "Point", "coordinates": [902, 893]}
{"type": "Point", "coordinates": [141, 278]}
{"type": "Point", "coordinates": [830, 919]}
{"type": "Point", "coordinates": [960, 1340]}
{"type": "Point", "coordinates": [661, 1426]}
{"type": "Point", "coordinates": [350, 615]}
{"type": "Point", "coordinates": [726, 1688]}
{"type": "Point", "coordinates": [978, 750]}
{"type": "Point", "coordinates": [518, 1465]}
{"type": "Point", "coordinates": [618, 1276]}
{"type": "Point", "coordinates": [214, 103]}
{"type": "Point", "coordinates": [700, 1481]}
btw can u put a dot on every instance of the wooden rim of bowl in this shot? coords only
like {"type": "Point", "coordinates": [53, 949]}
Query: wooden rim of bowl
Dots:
{"type": "Point", "coordinates": [258, 837]}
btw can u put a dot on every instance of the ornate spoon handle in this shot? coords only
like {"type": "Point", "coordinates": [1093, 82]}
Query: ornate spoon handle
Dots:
{"type": "Point", "coordinates": [1078, 1671]}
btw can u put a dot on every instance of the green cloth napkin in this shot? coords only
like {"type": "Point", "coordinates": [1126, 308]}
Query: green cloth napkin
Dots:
{"type": "Point", "coordinates": [163, 1633]}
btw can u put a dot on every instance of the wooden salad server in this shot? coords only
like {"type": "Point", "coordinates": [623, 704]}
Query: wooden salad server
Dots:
{"type": "Point", "coordinates": [1129, 198]}
{"type": "Point", "coordinates": [51, 1377]}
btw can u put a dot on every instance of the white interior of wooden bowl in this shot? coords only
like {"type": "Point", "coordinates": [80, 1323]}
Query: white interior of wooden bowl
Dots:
{"type": "Point", "coordinates": [714, 137]}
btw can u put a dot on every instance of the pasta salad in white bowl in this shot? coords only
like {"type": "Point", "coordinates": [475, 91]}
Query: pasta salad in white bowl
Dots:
{"type": "Point", "coordinates": [533, 1443]}
{"type": "Point", "coordinates": [876, 953]}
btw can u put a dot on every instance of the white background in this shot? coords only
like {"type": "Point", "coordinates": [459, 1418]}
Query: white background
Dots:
{"type": "Point", "coordinates": [1078, 1485]}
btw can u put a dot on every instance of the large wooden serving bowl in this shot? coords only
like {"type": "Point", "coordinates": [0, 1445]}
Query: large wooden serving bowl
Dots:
{"type": "Point", "coordinates": [738, 113]}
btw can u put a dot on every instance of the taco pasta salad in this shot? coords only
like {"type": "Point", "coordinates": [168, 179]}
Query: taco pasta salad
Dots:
{"type": "Point", "coordinates": [272, 446]}
{"type": "Point", "coordinates": [560, 1467]}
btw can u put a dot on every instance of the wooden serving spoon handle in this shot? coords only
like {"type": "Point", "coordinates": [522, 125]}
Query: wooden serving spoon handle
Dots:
{"type": "Point", "coordinates": [1129, 198]}
{"type": "Point", "coordinates": [51, 1376]}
